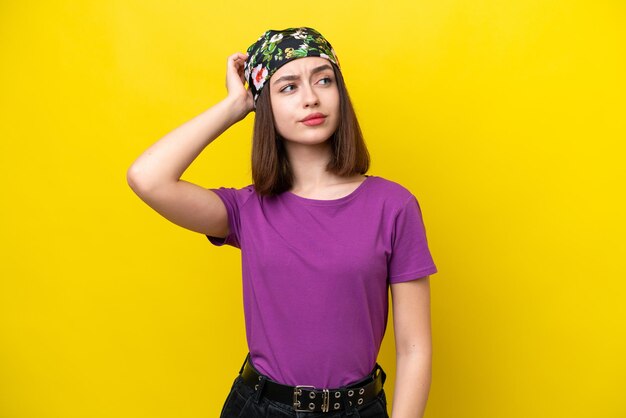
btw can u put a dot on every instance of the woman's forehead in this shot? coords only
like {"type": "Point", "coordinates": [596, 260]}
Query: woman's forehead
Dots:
{"type": "Point", "coordinates": [300, 65]}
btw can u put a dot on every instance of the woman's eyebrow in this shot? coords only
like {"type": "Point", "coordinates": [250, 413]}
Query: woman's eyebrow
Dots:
{"type": "Point", "coordinates": [296, 77]}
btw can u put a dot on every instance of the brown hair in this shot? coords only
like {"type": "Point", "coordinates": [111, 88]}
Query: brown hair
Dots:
{"type": "Point", "coordinates": [271, 171]}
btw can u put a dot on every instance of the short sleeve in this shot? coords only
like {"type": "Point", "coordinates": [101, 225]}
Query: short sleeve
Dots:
{"type": "Point", "coordinates": [410, 256]}
{"type": "Point", "coordinates": [233, 200]}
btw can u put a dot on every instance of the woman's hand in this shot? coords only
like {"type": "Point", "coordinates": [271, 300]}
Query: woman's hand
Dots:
{"type": "Point", "coordinates": [235, 84]}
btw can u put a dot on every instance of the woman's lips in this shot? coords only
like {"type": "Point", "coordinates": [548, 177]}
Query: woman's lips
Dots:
{"type": "Point", "coordinates": [314, 121]}
{"type": "Point", "coordinates": [315, 118]}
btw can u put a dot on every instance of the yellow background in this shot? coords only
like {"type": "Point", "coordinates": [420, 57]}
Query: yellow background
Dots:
{"type": "Point", "coordinates": [505, 118]}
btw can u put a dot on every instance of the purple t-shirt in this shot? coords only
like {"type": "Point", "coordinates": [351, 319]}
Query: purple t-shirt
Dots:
{"type": "Point", "coordinates": [316, 276]}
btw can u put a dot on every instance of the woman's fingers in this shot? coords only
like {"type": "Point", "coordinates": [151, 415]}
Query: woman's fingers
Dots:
{"type": "Point", "coordinates": [237, 59]}
{"type": "Point", "coordinates": [236, 82]}
{"type": "Point", "coordinates": [236, 62]}
{"type": "Point", "coordinates": [239, 55]}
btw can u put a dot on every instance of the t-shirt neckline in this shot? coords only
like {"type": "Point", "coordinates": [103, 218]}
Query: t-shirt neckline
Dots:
{"type": "Point", "coordinates": [329, 202]}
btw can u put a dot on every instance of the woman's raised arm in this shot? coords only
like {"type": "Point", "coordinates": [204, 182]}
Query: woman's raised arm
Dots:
{"type": "Point", "coordinates": [155, 175]}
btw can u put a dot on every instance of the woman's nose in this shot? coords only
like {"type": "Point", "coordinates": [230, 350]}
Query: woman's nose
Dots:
{"type": "Point", "coordinates": [309, 95]}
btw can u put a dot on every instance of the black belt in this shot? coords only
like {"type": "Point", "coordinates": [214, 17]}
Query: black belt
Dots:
{"type": "Point", "coordinates": [311, 399]}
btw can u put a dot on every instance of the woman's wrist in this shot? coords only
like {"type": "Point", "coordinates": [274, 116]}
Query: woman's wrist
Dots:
{"type": "Point", "coordinates": [235, 108]}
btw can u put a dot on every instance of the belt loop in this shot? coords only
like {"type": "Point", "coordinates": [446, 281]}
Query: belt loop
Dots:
{"type": "Point", "coordinates": [382, 372]}
{"type": "Point", "coordinates": [259, 389]}
{"type": "Point", "coordinates": [350, 410]}
{"type": "Point", "coordinates": [244, 363]}
{"type": "Point", "coordinates": [346, 407]}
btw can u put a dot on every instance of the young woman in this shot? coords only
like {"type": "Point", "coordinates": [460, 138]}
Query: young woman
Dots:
{"type": "Point", "coordinates": [321, 242]}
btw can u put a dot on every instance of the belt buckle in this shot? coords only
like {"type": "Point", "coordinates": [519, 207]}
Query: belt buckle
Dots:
{"type": "Point", "coordinates": [297, 391]}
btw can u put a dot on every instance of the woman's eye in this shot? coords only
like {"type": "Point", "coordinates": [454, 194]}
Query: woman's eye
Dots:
{"type": "Point", "coordinates": [287, 87]}
{"type": "Point", "coordinates": [328, 80]}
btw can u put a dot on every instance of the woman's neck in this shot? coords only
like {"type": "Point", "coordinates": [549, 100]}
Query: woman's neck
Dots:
{"type": "Point", "coordinates": [310, 179]}
{"type": "Point", "coordinates": [308, 163]}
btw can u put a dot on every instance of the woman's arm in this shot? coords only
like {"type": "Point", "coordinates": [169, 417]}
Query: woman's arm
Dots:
{"type": "Point", "coordinates": [155, 175]}
{"type": "Point", "coordinates": [411, 323]}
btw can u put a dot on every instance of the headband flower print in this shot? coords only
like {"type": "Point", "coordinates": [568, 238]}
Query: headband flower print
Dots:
{"type": "Point", "coordinates": [275, 48]}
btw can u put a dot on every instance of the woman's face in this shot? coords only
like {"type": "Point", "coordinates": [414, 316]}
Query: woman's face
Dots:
{"type": "Point", "coordinates": [301, 88]}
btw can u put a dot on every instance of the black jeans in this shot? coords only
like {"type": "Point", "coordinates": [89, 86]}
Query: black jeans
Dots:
{"type": "Point", "coordinates": [244, 402]}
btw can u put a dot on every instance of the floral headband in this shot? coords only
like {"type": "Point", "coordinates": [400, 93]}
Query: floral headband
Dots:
{"type": "Point", "coordinates": [275, 48]}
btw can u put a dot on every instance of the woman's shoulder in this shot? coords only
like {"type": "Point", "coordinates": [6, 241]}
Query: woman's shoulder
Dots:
{"type": "Point", "coordinates": [239, 195]}
{"type": "Point", "coordinates": [390, 188]}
